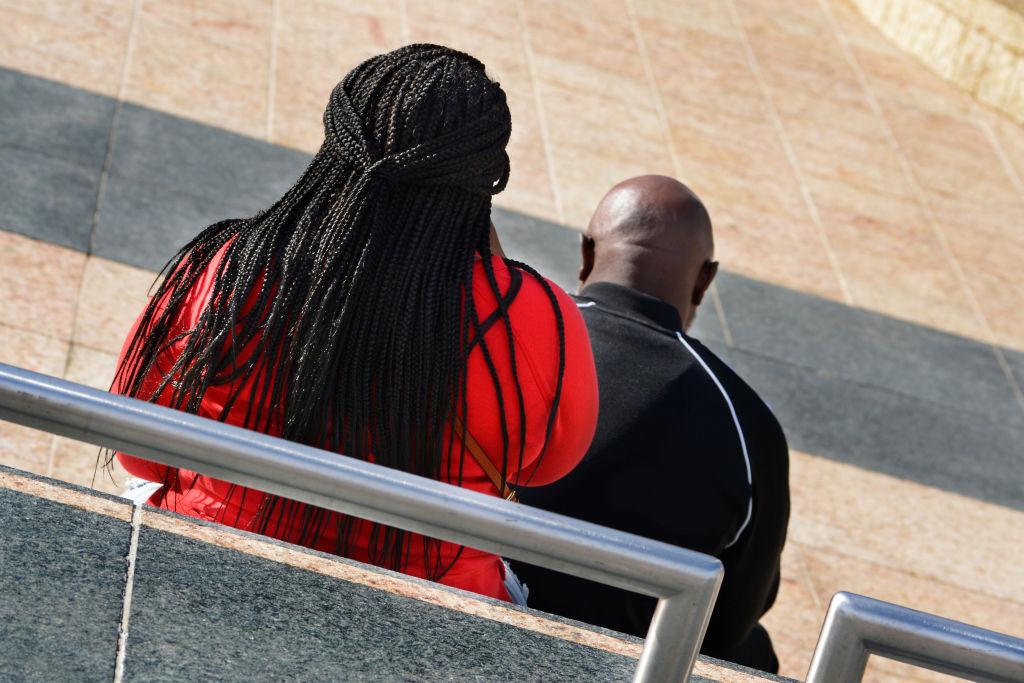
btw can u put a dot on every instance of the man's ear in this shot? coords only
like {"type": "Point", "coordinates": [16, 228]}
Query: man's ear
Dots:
{"type": "Point", "coordinates": [704, 279]}
{"type": "Point", "coordinates": [587, 255]}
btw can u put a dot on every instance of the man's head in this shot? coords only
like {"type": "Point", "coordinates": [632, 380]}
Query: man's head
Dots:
{"type": "Point", "coordinates": [653, 234]}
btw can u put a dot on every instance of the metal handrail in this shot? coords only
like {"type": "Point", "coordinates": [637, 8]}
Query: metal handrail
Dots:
{"type": "Point", "coordinates": [686, 582]}
{"type": "Point", "coordinates": [857, 626]}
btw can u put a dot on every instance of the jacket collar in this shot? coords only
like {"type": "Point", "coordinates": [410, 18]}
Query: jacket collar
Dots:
{"type": "Point", "coordinates": [634, 304]}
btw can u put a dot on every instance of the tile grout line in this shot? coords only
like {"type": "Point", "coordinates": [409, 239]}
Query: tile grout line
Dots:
{"type": "Point", "coordinates": [100, 190]}
{"type": "Point", "coordinates": [652, 84]}
{"type": "Point", "coordinates": [542, 123]}
{"type": "Point", "coordinates": [1015, 179]}
{"type": "Point", "coordinates": [912, 573]}
{"type": "Point", "coordinates": [998, 148]}
{"type": "Point", "coordinates": [666, 129]}
{"type": "Point", "coordinates": [922, 199]}
{"type": "Point", "coordinates": [129, 584]}
{"type": "Point", "coordinates": [787, 147]}
{"type": "Point", "coordinates": [805, 576]}
{"type": "Point", "coordinates": [716, 299]}
{"type": "Point", "coordinates": [118, 106]}
{"type": "Point", "coordinates": [272, 70]}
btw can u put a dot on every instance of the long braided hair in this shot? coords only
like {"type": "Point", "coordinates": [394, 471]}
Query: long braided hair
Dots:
{"type": "Point", "coordinates": [346, 307]}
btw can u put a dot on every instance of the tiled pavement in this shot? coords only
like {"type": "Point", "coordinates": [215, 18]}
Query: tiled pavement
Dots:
{"type": "Point", "coordinates": [867, 213]}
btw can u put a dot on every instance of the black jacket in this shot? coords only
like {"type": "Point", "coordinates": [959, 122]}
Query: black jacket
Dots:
{"type": "Point", "coordinates": [668, 462]}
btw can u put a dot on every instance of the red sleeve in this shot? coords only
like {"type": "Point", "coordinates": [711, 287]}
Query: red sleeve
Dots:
{"type": "Point", "coordinates": [193, 304]}
{"type": "Point", "coordinates": [576, 416]}
{"type": "Point", "coordinates": [536, 344]}
{"type": "Point", "coordinates": [145, 469]}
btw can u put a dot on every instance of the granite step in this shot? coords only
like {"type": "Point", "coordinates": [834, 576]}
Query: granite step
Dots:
{"type": "Point", "coordinates": [211, 602]}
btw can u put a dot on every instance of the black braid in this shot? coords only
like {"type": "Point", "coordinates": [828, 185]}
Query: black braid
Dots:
{"type": "Point", "coordinates": [349, 300]}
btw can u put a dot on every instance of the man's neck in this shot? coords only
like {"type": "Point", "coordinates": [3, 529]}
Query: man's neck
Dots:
{"type": "Point", "coordinates": [648, 283]}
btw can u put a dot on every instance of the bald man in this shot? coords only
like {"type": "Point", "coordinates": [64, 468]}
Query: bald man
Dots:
{"type": "Point", "coordinates": [685, 451]}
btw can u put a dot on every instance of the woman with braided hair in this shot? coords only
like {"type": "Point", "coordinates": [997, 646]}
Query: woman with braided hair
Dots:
{"type": "Point", "coordinates": [366, 313]}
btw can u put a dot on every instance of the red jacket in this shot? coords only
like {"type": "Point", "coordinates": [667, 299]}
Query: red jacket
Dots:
{"type": "Point", "coordinates": [536, 345]}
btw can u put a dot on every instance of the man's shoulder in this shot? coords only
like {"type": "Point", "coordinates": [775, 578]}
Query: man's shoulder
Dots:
{"type": "Point", "coordinates": [602, 318]}
{"type": "Point", "coordinates": [752, 410]}
{"type": "Point", "coordinates": [717, 366]}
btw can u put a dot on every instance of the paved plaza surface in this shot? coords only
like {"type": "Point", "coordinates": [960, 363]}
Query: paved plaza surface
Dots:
{"type": "Point", "coordinates": [868, 218]}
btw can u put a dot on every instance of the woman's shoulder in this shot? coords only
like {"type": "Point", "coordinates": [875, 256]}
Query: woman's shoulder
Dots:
{"type": "Point", "coordinates": [524, 290]}
{"type": "Point", "coordinates": [554, 363]}
{"type": "Point", "coordinates": [546, 324]}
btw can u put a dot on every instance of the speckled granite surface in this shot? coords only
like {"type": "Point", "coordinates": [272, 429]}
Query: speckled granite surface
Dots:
{"type": "Point", "coordinates": [204, 612]}
{"type": "Point", "coordinates": [62, 573]}
{"type": "Point", "coordinates": [211, 603]}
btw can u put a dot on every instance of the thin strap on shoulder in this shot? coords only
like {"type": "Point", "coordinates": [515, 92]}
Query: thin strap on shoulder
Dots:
{"type": "Point", "coordinates": [486, 464]}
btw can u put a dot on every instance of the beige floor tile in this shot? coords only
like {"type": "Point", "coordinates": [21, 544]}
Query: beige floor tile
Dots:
{"type": "Point", "coordinates": [899, 269]}
{"type": "Point", "coordinates": [1010, 137]}
{"type": "Point", "coordinates": [596, 123]}
{"type": "Point", "coordinates": [793, 45]}
{"type": "Point", "coordinates": [584, 177]}
{"type": "Point", "coordinates": [795, 620]}
{"type": "Point", "coordinates": [858, 31]}
{"type": "Point", "coordinates": [565, 75]}
{"type": "Point", "coordinates": [317, 44]}
{"type": "Point", "coordinates": [527, 204]}
{"type": "Point", "coordinates": [601, 37]}
{"type": "Point", "coordinates": [493, 33]}
{"type": "Point", "coordinates": [892, 72]}
{"type": "Point", "coordinates": [301, 92]}
{"type": "Point", "coordinates": [597, 142]}
{"type": "Point", "coordinates": [530, 188]}
{"type": "Point", "coordinates": [39, 286]}
{"type": "Point", "coordinates": [888, 198]}
{"type": "Point", "coordinates": [899, 78]}
{"type": "Point", "coordinates": [372, 22]}
{"type": "Point", "coordinates": [221, 83]}
{"type": "Point", "coordinates": [578, 110]}
{"type": "Point", "coordinates": [993, 268]}
{"type": "Point", "coordinates": [85, 465]}
{"type": "Point", "coordinates": [833, 572]}
{"type": "Point", "coordinates": [740, 168]}
{"type": "Point", "coordinates": [20, 447]}
{"type": "Point", "coordinates": [711, 96]}
{"type": "Point", "coordinates": [968, 170]}
{"type": "Point", "coordinates": [91, 367]}
{"type": "Point", "coordinates": [881, 670]}
{"type": "Point", "coordinates": [758, 235]}
{"type": "Point", "coordinates": [845, 141]}
{"type": "Point", "coordinates": [112, 297]}
{"type": "Point", "coordinates": [302, 88]}
{"type": "Point", "coordinates": [970, 174]}
{"type": "Point", "coordinates": [732, 155]}
{"type": "Point", "coordinates": [933, 534]}
{"type": "Point", "coordinates": [701, 69]}
{"type": "Point", "coordinates": [897, 277]}
{"type": "Point", "coordinates": [891, 257]}
{"type": "Point", "coordinates": [705, 15]}
{"type": "Point", "coordinates": [82, 463]}
{"type": "Point", "coordinates": [82, 44]}
{"type": "Point", "coordinates": [32, 351]}
{"type": "Point", "coordinates": [599, 109]}
{"type": "Point", "coordinates": [240, 22]}
{"type": "Point", "coordinates": [24, 449]}
{"type": "Point", "coordinates": [995, 219]}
